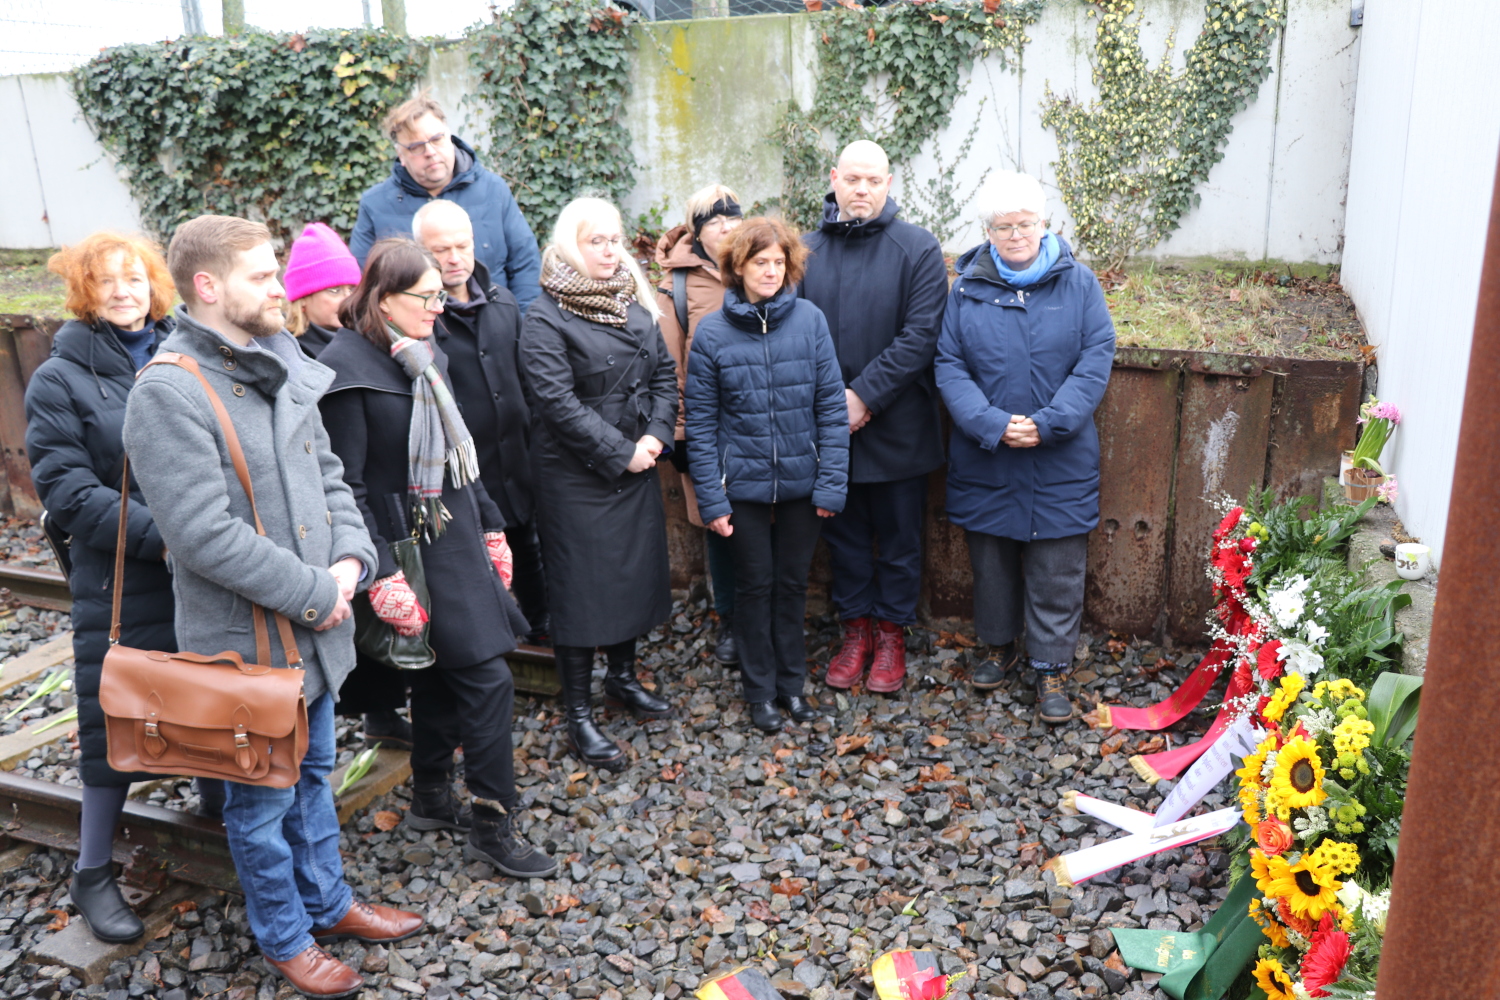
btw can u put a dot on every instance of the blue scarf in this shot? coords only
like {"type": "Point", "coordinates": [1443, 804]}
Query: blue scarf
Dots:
{"type": "Point", "coordinates": [1045, 258]}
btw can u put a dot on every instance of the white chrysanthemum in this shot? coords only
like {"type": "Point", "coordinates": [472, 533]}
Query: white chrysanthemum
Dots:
{"type": "Point", "coordinates": [1316, 634]}
{"type": "Point", "coordinates": [1299, 658]}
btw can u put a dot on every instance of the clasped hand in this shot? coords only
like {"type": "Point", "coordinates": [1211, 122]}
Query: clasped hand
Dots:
{"type": "Point", "coordinates": [646, 451]}
{"type": "Point", "coordinates": [1022, 433]}
{"type": "Point", "coordinates": [346, 573]}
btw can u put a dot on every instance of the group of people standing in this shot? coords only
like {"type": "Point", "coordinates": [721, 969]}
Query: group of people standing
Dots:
{"type": "Point", "coordinates": [445, 380]}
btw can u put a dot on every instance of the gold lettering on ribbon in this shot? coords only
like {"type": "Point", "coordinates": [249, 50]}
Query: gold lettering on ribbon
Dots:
{"type": "Point", "coordinates": [1164, 951]}
{"type": "Point", "coordinates": [1180, 830]}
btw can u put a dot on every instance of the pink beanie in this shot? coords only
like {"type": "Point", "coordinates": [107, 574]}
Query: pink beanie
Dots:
{"type": "Point", "coordinates": [319, 260]}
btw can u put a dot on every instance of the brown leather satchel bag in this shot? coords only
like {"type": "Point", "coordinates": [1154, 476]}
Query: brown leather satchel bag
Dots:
{"type": "Point", "coordinates": [210, 716]}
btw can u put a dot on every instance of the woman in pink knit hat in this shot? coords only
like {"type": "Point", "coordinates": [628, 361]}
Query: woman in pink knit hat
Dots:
{"type": "Point", "coordinates": [320, 274]}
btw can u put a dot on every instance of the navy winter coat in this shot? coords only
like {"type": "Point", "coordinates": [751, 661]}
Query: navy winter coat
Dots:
{"type": "Point", "coordinates": [881, 284]}
{"type": "Point", "coordinates": [75, 409]}
{"type": "Point", "coordinates": [503, 242]}
{"type": "Point", "coordinates": [766, 416]}
{"type": "Point", "coordinates": [1045, 352]}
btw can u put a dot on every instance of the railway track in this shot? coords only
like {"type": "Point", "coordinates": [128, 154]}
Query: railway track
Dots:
{"type": "Point", "coordinates": [38, 588]}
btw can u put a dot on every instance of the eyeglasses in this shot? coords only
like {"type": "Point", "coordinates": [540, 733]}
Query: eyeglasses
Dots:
{"type": "Point", "coordinates": [1005, 232]}
{"type": "Point", "coordinates": [723, 222]}
{"type": "Point", "coordinates": [433, 301]}
{"type": "Point", "coordinates": [598, 242]}
{"type": "Point", "coordinates": [435, 141]}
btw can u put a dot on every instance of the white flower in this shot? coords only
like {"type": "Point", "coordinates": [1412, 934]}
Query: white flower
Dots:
{"type": "Point", "coordinates": [1299, 657]}
{"type": "Point", "coordinates": [1288, 602]}
{"type": "Point", "coordinates": [1374, 907]}
{"type": "Point", "coordinates": [1300, 992]}
{"type": "Point", "coordinates": [1316, 634]}
{"type": "Point", "coordinates": [1318, 722]}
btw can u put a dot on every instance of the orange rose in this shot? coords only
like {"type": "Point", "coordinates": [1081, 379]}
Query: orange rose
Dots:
{"type": "Point", "coordinates": [1272, 835]}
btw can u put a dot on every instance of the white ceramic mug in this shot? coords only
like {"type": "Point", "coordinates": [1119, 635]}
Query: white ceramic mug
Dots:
{"type": "Point", "coordinates": [1413, 560]}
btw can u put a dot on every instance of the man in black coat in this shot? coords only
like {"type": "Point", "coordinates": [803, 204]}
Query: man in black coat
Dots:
{"type": "Point", "coordinates": [479, 330]}
{"type": "Point", "coordinates": [882, 284]}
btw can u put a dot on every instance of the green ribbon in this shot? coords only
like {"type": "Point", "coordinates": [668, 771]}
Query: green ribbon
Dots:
{"type": "Point", "coordinates": [1199, 965]}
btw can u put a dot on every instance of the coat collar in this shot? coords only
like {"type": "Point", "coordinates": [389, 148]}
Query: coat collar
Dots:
{"type": "Point", "coordinates": [676, 249]}
{"type": "Point", "coordinates": [856, 228]}
{"type": "Point", "coordinates": [747, 316]}
{"type": "Point", "coordinates": [977, 265]}
{"type": "Point", "coordinates": [465, 170]}
{"type": "Point", "coordinates": [263, 364]}
{"type": "Point", "coordinates": [95, 347]}
{"type": "Point", "coordinates": [359, 364]}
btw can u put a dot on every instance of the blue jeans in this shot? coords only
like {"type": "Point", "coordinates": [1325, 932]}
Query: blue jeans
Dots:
{"type": "Point", "coordinates": [285, 843]}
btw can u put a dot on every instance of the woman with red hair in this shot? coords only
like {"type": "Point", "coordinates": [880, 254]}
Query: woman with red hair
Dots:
{"type": "Point", "coordinates": [119, 292]}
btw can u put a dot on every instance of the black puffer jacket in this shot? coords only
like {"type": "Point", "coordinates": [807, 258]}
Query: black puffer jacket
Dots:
{"type": "Point", "coordinates": [75, 409]}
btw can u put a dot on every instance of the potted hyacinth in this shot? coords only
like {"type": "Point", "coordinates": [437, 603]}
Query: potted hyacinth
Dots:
{"type": "Point", "coordinates": [1365, 474]}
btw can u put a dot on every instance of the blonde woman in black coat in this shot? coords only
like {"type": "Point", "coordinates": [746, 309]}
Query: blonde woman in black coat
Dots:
{"type": "Point", "coordinates": [604, 387]}
{"type": "Point", "coordinates": [388, 370]}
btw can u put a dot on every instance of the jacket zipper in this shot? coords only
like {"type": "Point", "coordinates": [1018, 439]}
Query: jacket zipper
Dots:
{"type": "Point", "coordinates": [770, 400]}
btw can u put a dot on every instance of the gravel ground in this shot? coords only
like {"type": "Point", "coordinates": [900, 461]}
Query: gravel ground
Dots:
{"type": "Point", "coordinates": [22, 543]}
{"type": "Point", "coordinates": [915, 821]}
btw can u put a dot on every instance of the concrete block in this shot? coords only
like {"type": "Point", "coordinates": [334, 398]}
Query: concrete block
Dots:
{"type": "Point", "coordinates": [392, 767]}
{"type": "Point", "coordinates": [76, 947]}
{"type": "Point", "coordinates": [1379, 527]}
{"type": "Point", "coordinates": [19, 745]}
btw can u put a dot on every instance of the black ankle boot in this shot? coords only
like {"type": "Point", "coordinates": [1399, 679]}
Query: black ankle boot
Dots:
{"type": "Point", "coordinates": [494, 842]}
{"type": "Point", "coordinates": [388, 730]}
{"type": "Point", "coordinates": [98, 899]}
{"type": "Point", "coordinates": [575, 666]}
{"type": "Point", "coordinates": [726, 649]}
{"type": "Point", "coordinates": [434, 807]}
{"type": "Point", "coordinates": [622, 689]}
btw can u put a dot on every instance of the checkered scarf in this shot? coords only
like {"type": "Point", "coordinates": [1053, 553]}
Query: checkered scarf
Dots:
{"type": "Point", "coordinates": [438, 436]}
{"type": "Point", "coordinates": [606, 301]}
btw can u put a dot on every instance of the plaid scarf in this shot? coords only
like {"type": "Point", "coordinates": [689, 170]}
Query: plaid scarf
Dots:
{"type": "Point", "coordinates": [438, 436]}
{"type": "Point", "coordinates": [606, 301]}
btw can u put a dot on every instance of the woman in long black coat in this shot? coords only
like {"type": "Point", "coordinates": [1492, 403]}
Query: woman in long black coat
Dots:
{"type": "Point", "coordinates": [605, 402]}
{"type": "Point", "coordinates": [466, 699]}
{"type": "Point", "coordinates": [119, 290]}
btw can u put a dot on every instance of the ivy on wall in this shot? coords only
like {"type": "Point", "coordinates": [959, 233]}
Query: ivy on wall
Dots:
{"type": "Point", "coordinates": [553, 78]}
{"type": "Point", "coordinates": [279, 128]}
{"type": "Point", "coordinates": [1130, 163]}
{"type": "Point", "coordinates": [889, 74]}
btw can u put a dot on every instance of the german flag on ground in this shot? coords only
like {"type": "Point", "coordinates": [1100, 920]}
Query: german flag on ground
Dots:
{"type": "Point", "coordinates": [744, 983]}
{"type": "Point", "coordinates": [909, 975]}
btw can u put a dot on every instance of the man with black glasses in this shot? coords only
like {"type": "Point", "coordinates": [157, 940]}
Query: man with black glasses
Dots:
{"type": "Point", "coordinates": [433, 163]}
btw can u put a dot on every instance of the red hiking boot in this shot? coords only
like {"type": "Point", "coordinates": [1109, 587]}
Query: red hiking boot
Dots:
{"type": "Point", "coordinates": [848, 664]}
{"type": "Point", "coordinates": [888, 673]}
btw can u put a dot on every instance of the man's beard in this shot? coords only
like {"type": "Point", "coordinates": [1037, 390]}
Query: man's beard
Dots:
{"type": "Point", "coordinates": [249, 315]}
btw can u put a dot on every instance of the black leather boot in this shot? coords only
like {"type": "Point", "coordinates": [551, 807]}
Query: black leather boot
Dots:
{"type": "Point", "coordinates": [622, 689]}
{"type": "Point", "coordinates": [98, 899]}
{"type": "Point", "coordinates": [575, 667]}
{"type": "Point", "coordinates": [493, 841]}
{"type": "Point", "coordinates": [726, 649]}
{"type": "Point", "coordinates": [433, 806]}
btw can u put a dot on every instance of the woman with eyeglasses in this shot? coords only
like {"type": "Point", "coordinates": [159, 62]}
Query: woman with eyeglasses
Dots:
{"type": "Point", "coordinates": [320, 274]}
{"type": "Point", "coordinates": [412, 465]}
{"type": "Point", "coordinates": [604, 387]}
{"type": "Point", "coordinates": [1022, 362]}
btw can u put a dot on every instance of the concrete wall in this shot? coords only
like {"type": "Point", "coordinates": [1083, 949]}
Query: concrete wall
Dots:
{"type": "Point", "coordinates": [706, 93]}
{"type": "Point", "coordinates": [1426, 136]}
{"type": "Point", "coordinates": [59, 186]}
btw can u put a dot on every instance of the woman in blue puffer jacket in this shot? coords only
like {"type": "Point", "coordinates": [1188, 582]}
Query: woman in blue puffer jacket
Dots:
{"type": "Point", "coordinates": [769, 452]}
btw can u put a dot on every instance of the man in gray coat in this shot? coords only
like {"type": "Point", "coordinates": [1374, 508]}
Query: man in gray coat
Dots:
{"type": "Point", "coordinates": [307, 566]}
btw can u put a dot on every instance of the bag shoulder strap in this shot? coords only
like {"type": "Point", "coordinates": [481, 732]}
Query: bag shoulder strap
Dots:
{"type": "Point", "coordinates": [679, 298]}
{"type": "Point", "coordinates": [242, 472]}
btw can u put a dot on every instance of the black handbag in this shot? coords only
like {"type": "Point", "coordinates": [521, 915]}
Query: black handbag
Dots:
{"type": "Point", "coordinates": [376, 639]}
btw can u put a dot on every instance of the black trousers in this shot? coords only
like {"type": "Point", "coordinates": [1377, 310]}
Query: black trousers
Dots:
{"type": "Point", "coordinates": [887, 585]}
{"type": "Point", "coordinates": [471, 708]}
{"type": "Point", "coordinates": [773, 550]}
{"type": "Point", "coordinates": [372, 687]}
{"type": "Point", "coordinates": [529, 585]}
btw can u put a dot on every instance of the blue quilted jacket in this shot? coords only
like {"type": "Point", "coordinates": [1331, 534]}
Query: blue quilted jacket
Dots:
{"type": "Point", "coordinates": [766, 419]}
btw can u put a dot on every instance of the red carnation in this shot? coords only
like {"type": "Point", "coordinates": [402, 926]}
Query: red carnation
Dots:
{"type": "Point", "coordinates": [1266, 662]}
{"type": "Point", "coordinates": [1227, 525]}
{"type": "Point", "coordinates": [1324, 961]}
{"type": "Point", "coordinates": [1247, 545]}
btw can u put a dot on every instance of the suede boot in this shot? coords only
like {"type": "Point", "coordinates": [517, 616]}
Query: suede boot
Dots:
{"type": "Point", "coordinates": [575, 667]}
{"type": "Point", "coordinates": [622, 689]}
{"type": "Point", "coordinates": [493, 841]}
{"type": "Point", "coordinates": [434, 807]}
{"type": "Point", "coordinates": [97, 897]}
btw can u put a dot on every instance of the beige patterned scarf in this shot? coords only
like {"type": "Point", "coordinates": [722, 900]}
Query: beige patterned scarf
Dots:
{"type": "Point", "coordinates": [606, 301]}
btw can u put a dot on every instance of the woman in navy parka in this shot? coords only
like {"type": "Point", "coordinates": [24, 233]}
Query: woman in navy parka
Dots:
{"type": "Point", "coordinates": [1022, 362]}
{"type": "Point", "coordinates": [768, 447]}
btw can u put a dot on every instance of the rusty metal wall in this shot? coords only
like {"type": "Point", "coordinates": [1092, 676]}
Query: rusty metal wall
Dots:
{"type": "Point", "coordinates": [25, 343]}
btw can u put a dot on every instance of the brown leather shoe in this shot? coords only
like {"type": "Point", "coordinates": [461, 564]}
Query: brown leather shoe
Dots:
{"type": "Point", "coordinates": [371, 924]}
{"type": "Point", "coordinates": [317, 975]}
{"type": "Point", "coordinates": [888, 672]}
{"type": "Point", "coordinates": [848, 664]}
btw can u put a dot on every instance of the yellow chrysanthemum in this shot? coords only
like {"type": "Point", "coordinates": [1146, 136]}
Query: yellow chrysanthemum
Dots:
{"type": "Point", "coordinates": [1284, 698]}
{"type": "Point", "coordinates": [1335, 854]}
{"type": "Point", "coordinates": [1298, 780]}
{"type": "Point", "coordinates": [1271, 928]}
{"type": "Point", "coordinates": [1339, 689]}
{"type": "Point", "coordinates": [1352, 735]}
{"type": "Point", "coordinates": [1272, 978]}
{"type": "Point", "coordinates": [1309, 888]}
